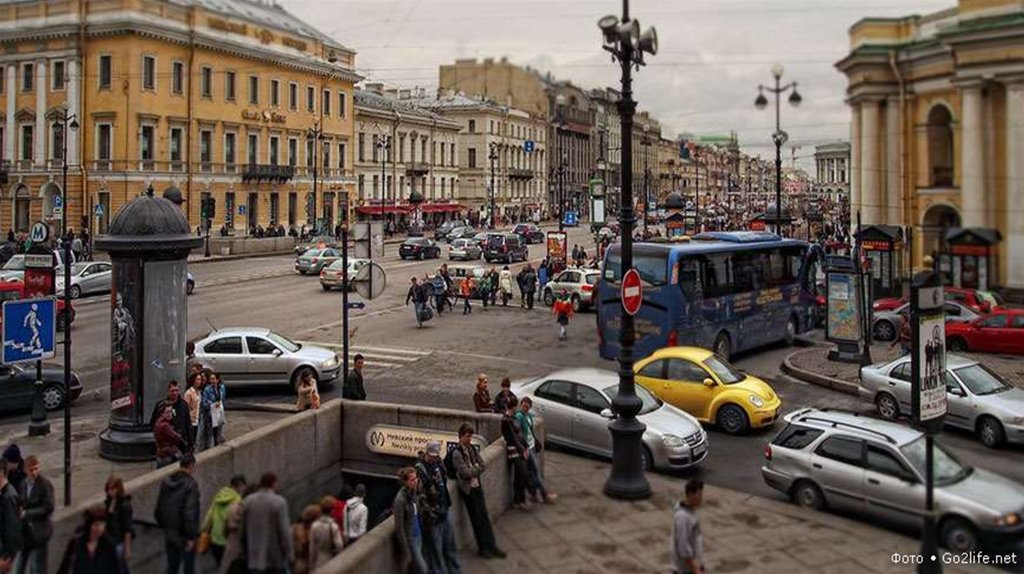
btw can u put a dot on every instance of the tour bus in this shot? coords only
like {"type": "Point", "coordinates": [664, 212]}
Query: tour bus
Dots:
{"type": "Point", "coordinates": [725, 291]}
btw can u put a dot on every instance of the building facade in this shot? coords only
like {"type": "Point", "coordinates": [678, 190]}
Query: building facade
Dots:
{"type": "Point", "coordinates": [573, 152]}
{"type": "Point", "coordinates": [938, 126]}
{"type": "Point", "coordinates": [832, 170]}
{"type": "Point", "coordinates": [215, 98]}
{"type": "Point", "coordinates": [608, 126]}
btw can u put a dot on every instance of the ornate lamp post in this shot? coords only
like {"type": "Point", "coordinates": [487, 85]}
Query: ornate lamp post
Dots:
{"type": "Point", "coordinates": [383, 145]}
{"type": "Point", "coordinates": [69, 121]}
{"type": "Point", "coordinates": [493, 156]}
{"type": "Point", "coordinates": [779, 137]}
{"type": "Point", "coordinates": [627, 481]}
{"type": "Point", "coordinates": [316, 135]}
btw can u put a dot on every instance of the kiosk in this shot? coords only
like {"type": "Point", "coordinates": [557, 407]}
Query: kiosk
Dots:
{"type": "Point", "coordinates": [970, 258]}
{"type": "Point", "coordinates": [883, 247]}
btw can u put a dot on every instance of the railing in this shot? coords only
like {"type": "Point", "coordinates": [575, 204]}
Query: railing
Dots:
{"type": "Point", "coordinates": [517, 173]}
{"type": "Point", "coordinates": [270, 173]}
{"type": "Point", "coordinates": [417, 168]}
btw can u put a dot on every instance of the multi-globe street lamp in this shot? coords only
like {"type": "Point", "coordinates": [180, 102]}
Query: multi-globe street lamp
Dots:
{"type": "Point", "coordinates": [622, 38]}
{"type": "Point", "coordinates": [779, 137]}
{"type": "Point", "coordinates": [383, 145]}
{"type": "Point", "coordinates": [493, 156]}
{"type": "Point", "coordinates": [315, 135]}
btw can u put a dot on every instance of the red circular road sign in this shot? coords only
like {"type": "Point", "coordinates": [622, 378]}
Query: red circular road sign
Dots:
{"type": "Point", "coordinates": [632, 292]}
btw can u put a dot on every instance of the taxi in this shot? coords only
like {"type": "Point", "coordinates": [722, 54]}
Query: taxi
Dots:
{"type": "Point", "coordinates": [705, 385]}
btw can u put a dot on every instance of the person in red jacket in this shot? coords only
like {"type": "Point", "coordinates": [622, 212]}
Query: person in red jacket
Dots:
{"type": "Point", "coordinates": [168, 441]}
{"type": "Point", "coordinates": [562, 310]}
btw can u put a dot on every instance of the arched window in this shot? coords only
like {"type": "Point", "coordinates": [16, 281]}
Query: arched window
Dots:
{"type": "Point", "coordinates": [940, 147]}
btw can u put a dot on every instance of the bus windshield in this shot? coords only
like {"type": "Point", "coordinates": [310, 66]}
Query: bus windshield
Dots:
{"type": "Point", "coordinates": [652, 267]}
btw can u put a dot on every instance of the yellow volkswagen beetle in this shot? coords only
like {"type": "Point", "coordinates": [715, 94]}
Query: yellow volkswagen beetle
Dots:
{"type": "Point", "coordinates": [709, 388]}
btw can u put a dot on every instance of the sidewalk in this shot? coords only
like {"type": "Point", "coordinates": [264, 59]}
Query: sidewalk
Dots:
{"type": "Point", "coordinates": [586, 532]}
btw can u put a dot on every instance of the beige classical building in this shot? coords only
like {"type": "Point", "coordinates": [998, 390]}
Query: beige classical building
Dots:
{"type": "Point", "coordinates": [938, 128]}
{"type": "Point", "coordinates": [832, 170]}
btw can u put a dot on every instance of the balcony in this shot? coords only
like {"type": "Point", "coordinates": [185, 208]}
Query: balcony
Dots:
{"type": "Point", "coordinates": [417, 168]}
{"type": "Point", "coordinates": [516, 173]}
{"type": "Point", "coordinates": [267, 173]}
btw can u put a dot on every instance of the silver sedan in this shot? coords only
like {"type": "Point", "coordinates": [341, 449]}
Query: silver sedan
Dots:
{"type": "Point", "coordinates": [256, 356]}
{"type": "Point", "coordinates": [464, 249]}
{"type": "Point", "coordinates": [886, 324]}
{"type": "Point", "coordinates": [977, 399]}
{"type": "Point", "coordinates": [576, 407]}
{"type": "Point", "coordinates": [87, 277]}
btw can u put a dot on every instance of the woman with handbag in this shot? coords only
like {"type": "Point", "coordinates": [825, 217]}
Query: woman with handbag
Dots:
{"type": "Point", "coordinates": [213, 404]}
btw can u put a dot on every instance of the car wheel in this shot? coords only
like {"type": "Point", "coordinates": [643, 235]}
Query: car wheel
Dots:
{"type": "Point", "coordinates": [648, 460]}
{"type": "Point", "coordinates": [190, 287]}
{"type": "Point", "coordinates": [576, 304]}
{"type": "Point", "coordinates": [884, 331]}
{"type": "Point", "coordinates": [301, 372]}
{"type": "Point", "coordinates": [723, 346]}
{"type": "Point", "coordinates": [958, 535]}
{"type": "Point", "coordinates": [887, 405]}
{"type": "Point", "coordinates": [53, 397]}
{"type": "Point", "coordinates": [958, 345]}
{"type": "Point", "coordinates": [325, 287]}
{"type": "Point", "coordinates": [808, 495]}
{"type": "Point", "coordinates": [75, 291]}
{"type": "Point", "coordinates": [549, 297]}
{"type": "Point", "coordinates": [732, 419]}
{"type": "Point", "coordinates": [991, 432]}
{"type": "Point", "coordinates": [790, 336]}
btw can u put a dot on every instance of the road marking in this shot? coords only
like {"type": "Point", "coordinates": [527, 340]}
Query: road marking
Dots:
{"type": "Point", "coordinates": [493, 358]}
{"type": "Point", "coordinates": [382, 357]}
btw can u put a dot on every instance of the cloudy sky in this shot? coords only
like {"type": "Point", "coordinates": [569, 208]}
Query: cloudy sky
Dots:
{"type": "Point", "coordinates": [712, 53]}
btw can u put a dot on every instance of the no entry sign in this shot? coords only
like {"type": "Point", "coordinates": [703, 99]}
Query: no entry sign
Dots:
{"type": "Point", "coordinates": [632, 292]}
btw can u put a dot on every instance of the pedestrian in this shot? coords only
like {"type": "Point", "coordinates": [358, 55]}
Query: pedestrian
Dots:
{"type": "Point", "coordinates": [493, 280]}
{"type": "Point", "coordinates": [529, 285]}
{"type": "Point", "coordinates": [300, 540]}
{"type": "Point", "coordinates": [576, 255]}
{"type": "Point", "coordinates": [233, 559]}
{"type": "Point", "coordinates": [356, 514]}
{"type": "Point", "coordinates": [417, 294]}
{"type": "Point", "coordinates": [542, 273]}
{"type": "Point", "coordinates": [438, 288]}
{"type": "Point", "coordinates": [468, 468]}
{"type": "Point", "coordinates": [482, 397]}
{"type": "Point", "coordinates": [215, 523]}
{"type": "Point", "coordinates": [308, 395]}
{"type": "Point", "coordinates": [266, 533]}
{"type": "Point", "coordinates": [466, 292]}
{"type": "Point", "coordinates": [504, 396]}
{"type": "Point", "coordinates": [169, 443]}
{"type": "Point", "coordinates": [525, 419]}
{"type": "Point", "coordinates": [324, 536]}
{"type": "Point", "coordinates": [14, 465]}
{"type": "Point", "coordinates": [177, 514]}
{"type": "Point", "coordinates": [194, 399]}
{"type": "Point", "coordinates": [904, 336]}
{"type": "Point", "coordinates": [119, 516]}
{"type": "Point", "coordinates": [180, 417]}
{"type": "Point", "coordinates": [484, 287]}
{"type": "Point", "coordinates": [516, 453]}
{"type": "Point", "coordinates": [353, 388]}
{"type": "Point", "coordinates": [10, 523]}
{"type": "Point", "coordinates": [505, 285]}
{"type": "Point", "coordinates": [91, 550]}
{"type": "Point", "coordinates": [439, 549]}
{"type": "Point", "coordinates": [521, 282]}
{"type": "Point", "coordinates": [214, 393]}
{"type": "Point", "coordinates": [408, 531]}
{"type": "Point", "coordinates": [687, 543]}
{"type": "Point", "coordinates": [36, 496]}
{"type": "Point", "coordinates": [76, 246]}
{"type": "Point", "coordinates": [562, 310]}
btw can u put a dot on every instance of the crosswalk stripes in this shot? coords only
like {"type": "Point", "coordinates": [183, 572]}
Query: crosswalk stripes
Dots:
{"type": "Point", "coordinates": [382, 357]}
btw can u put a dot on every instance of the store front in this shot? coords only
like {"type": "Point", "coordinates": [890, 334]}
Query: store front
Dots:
{"type": "Point", "coordinates": [883, 249]}
{"type": "Point", "coordinates": [970, 258]}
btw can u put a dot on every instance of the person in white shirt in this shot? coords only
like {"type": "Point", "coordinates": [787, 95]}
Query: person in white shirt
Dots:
{"type": "Point", "coordinates": [356, 514]}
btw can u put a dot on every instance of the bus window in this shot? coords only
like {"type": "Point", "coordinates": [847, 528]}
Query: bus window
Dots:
{"type": "Point", "coordinates": [652, 267]}
{"type": "Point", "coordinates": [744, 271]}
{"type": "Point", "coordinates": [715, 275]}
{"type": "Point", "coordinates": [689, 278]}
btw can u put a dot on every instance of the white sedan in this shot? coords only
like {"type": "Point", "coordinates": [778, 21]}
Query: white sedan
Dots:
{"type": "Point", "coordinates": [87, 277]}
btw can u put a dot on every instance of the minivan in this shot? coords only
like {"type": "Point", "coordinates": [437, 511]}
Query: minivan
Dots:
{"type": "Point", "coordinates": [506, 247]}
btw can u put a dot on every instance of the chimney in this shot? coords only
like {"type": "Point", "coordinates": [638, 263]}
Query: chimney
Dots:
{"type": "Point", "coordinates": [504, 59]}
{"type": "Point", "coordinates": [488, 61]}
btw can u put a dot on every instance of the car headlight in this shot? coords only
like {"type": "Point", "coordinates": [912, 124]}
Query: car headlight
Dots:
{"type": "Point", "coordinates": [672, 441]}
{"type": "Point", "coordinates": [330, 363]}
{"type": "Point", "coordinates": [756, 401]}
{"type": "Point", "coordinates": [1011, 519]}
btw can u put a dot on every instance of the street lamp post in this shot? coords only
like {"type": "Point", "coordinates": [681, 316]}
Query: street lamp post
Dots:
{"type": "Point", "coordinates": [68, 121]}
{"type": "Point", "coordinates": [493, 156]}
{"type": "Point", "coordinates": [562, 158]}
{"type": "Point", "coordinates": [383, 145]}
{"type": "Point", "coordinates": [315, 134]}
{"type": "Point", "coordinates": [779, 137]}
{"type": "Point", "coordinates": [646, 142]}
{"type": "Point", "coordinates": [696, 191]}
{"type": "Point", "coordinates": [627, 481]}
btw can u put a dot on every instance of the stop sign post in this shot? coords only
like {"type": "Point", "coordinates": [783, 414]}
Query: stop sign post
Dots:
{"type": "Point", "coordinates": [632, 292]}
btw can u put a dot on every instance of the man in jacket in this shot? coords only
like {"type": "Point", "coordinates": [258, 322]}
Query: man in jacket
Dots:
{"type": "Point", "coordinates": [529, 285]}
{"type": "Point", "coordinates": [356, 514]}
{"type": "Point", "coordinates": [468, 468]}
{"type": "Point", "coordinates": [439, 549]}
{"type": "Point", "coordinates": [687, 542]}
{"type": "Point", "coordinates": [353, 388]}
{"type": "Point", "coordinates": [177, 513]}
{"type": "Point", "coordinates": [180, 419]}
{"type": "Point", "coordinates": [418, 295]}
{"type": "Point", "coordinates": [407, 523]}
{"type": "Point", "coordinates": [265, 529]}
{"type": "Point", "coordinates": [10, 525]}
{"type": "Point", "coordinates": [217, 516]}
{"type": "Point", "coordinates": [37, 508]}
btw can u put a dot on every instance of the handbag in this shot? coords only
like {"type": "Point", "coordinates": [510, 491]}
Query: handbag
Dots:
{"type": "Point", "coordinates": [217, 414]}
{"type": "Point", "coordinates": [203, 543]}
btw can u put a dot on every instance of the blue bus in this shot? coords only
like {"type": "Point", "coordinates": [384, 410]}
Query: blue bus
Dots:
{"type": "Point", "coordinates": [725, 291]}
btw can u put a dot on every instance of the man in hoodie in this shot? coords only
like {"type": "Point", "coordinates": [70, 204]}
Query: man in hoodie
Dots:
{"type": "Point", "coordinates": [529, 285]}
{"type": "Point", "coordinates": [216, 517]}
{"type": "Point", "coordinates": [408, 531]}
{"type": "Point", "coordinates": [356, 514]}
{"type": "Point", "coordinates": [687, 543]}
{"type": "Point", "coordinates": [10, 524]}
{"type": "Point", "coordinates": [177, 513]}
{"type": "Point", "coordinates": [439, 549]}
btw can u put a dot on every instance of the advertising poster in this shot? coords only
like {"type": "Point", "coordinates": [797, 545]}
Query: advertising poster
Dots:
{"type": "Point", "coordinates": [124, 372]}
{"type": "Point", "coordinates": [932, 357]}
{"type": "Point", "coordinates": [843, 322]}
{"type": "Point", "coordinates": [557, 241]}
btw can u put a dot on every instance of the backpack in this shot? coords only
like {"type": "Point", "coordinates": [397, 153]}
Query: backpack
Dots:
{"type": "Point", "coordinates": [449, 464]}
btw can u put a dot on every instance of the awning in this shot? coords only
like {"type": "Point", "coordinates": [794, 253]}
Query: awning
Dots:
{"type": "Point", "coordinates": [378, 210]}
{"type": "Point", "coordinates": [441, 207]}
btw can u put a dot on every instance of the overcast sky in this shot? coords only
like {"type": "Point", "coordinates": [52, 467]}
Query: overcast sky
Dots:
{"type": "Point", "coordinates": [712, 53]}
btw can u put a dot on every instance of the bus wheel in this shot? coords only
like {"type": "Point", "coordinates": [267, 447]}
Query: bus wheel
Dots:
{"type": "Point", "coordinates": [790, 331]}
{"type": "Point", "coordinates": [723, 347]}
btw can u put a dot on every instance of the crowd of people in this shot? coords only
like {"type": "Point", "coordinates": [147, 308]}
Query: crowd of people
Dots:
{"type": "Point", "coordinates": [189, 422]}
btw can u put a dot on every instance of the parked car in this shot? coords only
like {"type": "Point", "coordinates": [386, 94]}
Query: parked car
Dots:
{"type": "Point", "coordinates": [1000, 332]}
{"type": "Point", "coordinates": [464, 249]}
{"type": "Point", "coordinates": [442, 231]}
{"type": "Point", "coordinates": [708, 387]}
{"type": "Point", "coordinates": [87, 277]}
{"type": "Point", "coordinates": [419, 248]}
{"type": "Point", "coordinates": [319, 242]}
{"type": "Point", "coordinates": [17, 387]}
{"type": "Point", "coordinates": [576, 406]}
{"type": "Point", "coordinates": [12, 291]}
{"type": "Point", "coordinates": [464, 232]}
{"type": "Point", "coordinates": [977, 399]}
{"type": "Point", "coordinates": [334, 277]}
{"type": "Point", "coordinates": [253, 355]}
{"type": "Point", "coordinates": [314, 260]}
{"type": "Point", "coordinates": [14, 269]}
{"type": "Point", "coordinates": [978, 301]}
{"type": "Point", "coordinates": [579, 283]}
{"type": "Point", "coordinates": [529, 232]}
{"type": "Point", "coordinates": [481, 238]}
{"type": "Point", "coordinates": [886, 324]}
{"type": "Point", "coordinates": [507, 247]}
{"type": "Point", "coordinates": [846, 461]}
{"type": "Point", "coordinates": [460, 272]}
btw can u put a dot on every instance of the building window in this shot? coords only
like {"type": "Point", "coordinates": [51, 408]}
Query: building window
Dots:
{"type": "Point", "coordinates": [401, 149]}
{"type": "Point", "coordinates": [341, 104]}
{"type": "Point", "coordinates": [341, 156]}
{"type": "Point", "coordinates": [293, 96]}
{"type": "Point", "coordinates": [310, 152]}
{"type": "Point", "coordinates": [293, 208]}
{"type": "Point", "coordinates": [57, 141]}
{"type": "Point", "coordinates": [940, 146]}
{"type": "Point", "coordinates": [362, 187]}
{"type": "Point", "coordinates": [376, 186]}
{"type": "Point", "coordinates": [229, 209]}
{"type": "Point", "coordinates": [472, 157]}
{"type": "Point", "coordinates": [205, 150]}
{"type": "Point", "coordinates": [376, 147]}
{"type": "Point", "coordinates": [325, 150]}
{"type": "Point", "coordinates": [206, 82]}
{"type": "Point", "coordinates": [362, 147]}
{"type": "Point", "coordinates": [451, 157]}
{"type": "Point", "coordinates": [59, 78]}
{"type": "Point", "coordinates": [327, 103]}
{"type": "Point", "coordinates": [275, 208]}
{"type": "Point", "coordinates": [174, 147]}
{"type": "Point", "coordinates": [28, 77]}
{"type": "Point", "coordinates": [442, 188]}
{"type": "Point", "coordinates": [442, 156]}
{"type": "Point", "coordinates": [472, 126]}
{"type": "Point", "coordinates": [178, 78]}
{"type": "Point", "coordinates": [105, 72]}
{"type": "Point", "coordinates": [253, 150]}
{"type": "Point", "coordinates": [229, 86]}
{"type": "Point", "coordinates": [310, 99]}
{"type": "Point", "coordinates": [104, 143]}
{"type": "Point", "coordinates": [275, 144]}
{"type": "Point", "coordinates": [254, 90]}
{"type": "Point", "coordinates": [293, 152]}
{"type": "Point", "coordinates": [146, 146]}
{"type": "Point", "coordinates": [148, 73]}
{"type": "Point", "coordinates": [229, 151]}
{"type": "Point", "coordinates": [275, 93]}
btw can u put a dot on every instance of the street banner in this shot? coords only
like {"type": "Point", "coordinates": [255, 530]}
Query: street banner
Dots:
{"type": "Point", "coordinates": [932, 351]}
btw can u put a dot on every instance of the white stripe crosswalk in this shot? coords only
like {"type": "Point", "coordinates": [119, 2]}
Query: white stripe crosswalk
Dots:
{"type": "Point", "coordinates": [379, 357]}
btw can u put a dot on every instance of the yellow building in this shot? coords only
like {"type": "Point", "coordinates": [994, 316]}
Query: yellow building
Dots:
{"type": "Point", "coordinates": [938, 133]}
{"type": "Point", "coordinates": [217, 98]}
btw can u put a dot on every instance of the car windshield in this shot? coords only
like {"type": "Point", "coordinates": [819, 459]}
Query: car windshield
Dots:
{"type": "Point", "coordinates": [283, 342]}
{"type": "Point", "coordinates": [650, 404]}
{"type": "Point", "coordinates": [16, 263]}
{"type": "Point", "coordinates": [312, 253]}
{"type": "Point", "coordinates": [337, 265]}
{"type": "Point", "coordinates": [724, 371]}
{"type": "Point", "coordinates": [993, 299]}
{"type": "Point", "coordinates": [77, 268]}
{"type": "Point", "coordinates": [592, 278]}
{"type": "Point", "coordinates": [981, 381]}
{"type": "Point", "coordinates": [946, 467]}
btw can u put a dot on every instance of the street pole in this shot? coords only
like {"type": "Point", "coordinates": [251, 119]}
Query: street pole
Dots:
{"type": "Point", "coordinates": [561, 195]}
{"type": "Point", "coordinates": [627, 480]}
{"type": "Point", "coordinates": [67, 315]}
{"type": "Point", "coordinates": [493, 157]}
{"type": "Point", "coordinates": [696, 199]}
{"type": "Point", "coordinates": [383, 145]}
{"type": "Point", "coordinates": [647, 193]}
{"type": "Point", "coordinates": [345, 285]}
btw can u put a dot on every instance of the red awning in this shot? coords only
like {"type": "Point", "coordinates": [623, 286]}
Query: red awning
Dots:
{"type": "Point", "coordinates": [441, 207]}
{"type": "Point", "coordinates": [378, 210]}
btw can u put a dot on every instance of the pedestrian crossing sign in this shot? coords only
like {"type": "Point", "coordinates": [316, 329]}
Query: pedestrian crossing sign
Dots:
{"type": "Point", "coordinates": [99, 210]}
{"type": "Point", "coordinates": [29, 330]}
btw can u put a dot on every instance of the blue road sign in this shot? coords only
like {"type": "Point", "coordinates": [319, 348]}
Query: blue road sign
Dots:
{"type": "Point", "coordinates": [58, 201]}
{"type": "Point", "coordinates": [571, 219]}
{"type": "Point", "coordinates": [29, 330]}
{"type": "Point", "coordinates": [528, 146]}
{"type": "Point", "coordinates": [241, 210]}
{"type": "Point", "coordinates": [356, 305]}
{"type": "Point", "coordinates": [99, 210]}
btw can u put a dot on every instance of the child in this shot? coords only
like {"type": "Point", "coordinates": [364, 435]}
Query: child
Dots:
{"type": "Point", "coordinates": [562, 310]}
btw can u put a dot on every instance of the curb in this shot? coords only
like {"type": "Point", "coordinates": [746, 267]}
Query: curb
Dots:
{"type": "Point", "coordinates": [814, 378]}
{"type": "Point", "coordinates": [216, 258]}
{"type": "Point", "coordinates": [260, 408]}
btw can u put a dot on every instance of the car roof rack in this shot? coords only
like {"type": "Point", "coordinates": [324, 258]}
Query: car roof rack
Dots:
{"type": "Point", "coordinates": [838, 424]}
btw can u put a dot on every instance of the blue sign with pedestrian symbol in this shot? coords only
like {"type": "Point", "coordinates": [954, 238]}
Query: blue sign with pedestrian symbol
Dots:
{"type": "Point", "coordinates": [99, 210]}
{"type": "Point", "coordinates": [29, 330]}
{"type": "Point", "coordinates": [528, 146]}
{"type": "Point", "coordinates": [241, 210]}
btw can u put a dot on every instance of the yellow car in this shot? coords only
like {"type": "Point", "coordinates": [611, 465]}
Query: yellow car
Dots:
{"type": "Point", "coordinates": [709, 388]}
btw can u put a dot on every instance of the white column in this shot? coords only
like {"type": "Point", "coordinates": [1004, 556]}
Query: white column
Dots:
{"type": "Point", "coordinates": [41, 135]}
{"type": "Point", "coordinates": [1014, 223]}
{"type": "Point", "coordinates": [855, 135]}
{"type": "Point", "coordinates": [972, 183]}
{"type": "Point", "coordinates": [893, 164]}
{"type": "Point", "coordinates": [869, 165]}
{"type": "Point", "coordinates": [74, 107]}
{"type": "Point", "coordinates": [12, 127]}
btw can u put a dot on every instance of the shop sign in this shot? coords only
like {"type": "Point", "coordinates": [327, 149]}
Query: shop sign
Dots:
{"type": "Point", "coordinates": [875, 245]}
{"type": "Point", "coordinates": [268, 116]}
{"type": "Point", "coordinates": [410, 441]}
{"type": "Point", "coordinates": [225, 26]}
